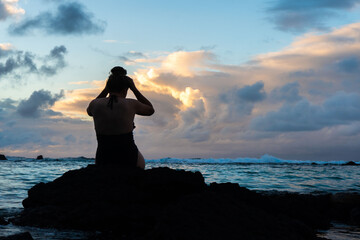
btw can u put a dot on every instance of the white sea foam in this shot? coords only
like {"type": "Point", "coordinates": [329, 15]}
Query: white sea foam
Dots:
{"type": "Point", "coordinates": [265, 159]}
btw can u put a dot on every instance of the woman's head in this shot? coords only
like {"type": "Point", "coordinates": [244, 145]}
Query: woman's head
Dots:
{"type": "Point", "coordinates": [117, 81]}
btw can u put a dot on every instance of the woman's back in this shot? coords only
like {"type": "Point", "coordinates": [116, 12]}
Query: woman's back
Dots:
{"type": "Point", "coordinates": [114, 120]}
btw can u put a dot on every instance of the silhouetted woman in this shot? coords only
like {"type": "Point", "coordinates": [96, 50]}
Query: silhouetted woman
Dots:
{"type": "Point", "coordinates": [114, 121]}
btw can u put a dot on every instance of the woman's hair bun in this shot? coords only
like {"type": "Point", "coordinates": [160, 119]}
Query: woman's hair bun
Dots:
{"type": "Point", "coordinates": [118, 71]}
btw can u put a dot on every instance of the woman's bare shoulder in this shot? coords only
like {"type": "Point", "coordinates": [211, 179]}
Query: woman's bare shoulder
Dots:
{"type": "Point", "coordinates": [131, 100]}
{"type": "Point", "coordinates": [99, 100]}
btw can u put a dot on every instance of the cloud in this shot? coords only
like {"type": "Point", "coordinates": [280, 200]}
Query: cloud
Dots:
{"type": "Point", "coordinates": [38, 104]}
{"type": "Point", "coordinates": [5, 49]}
{"type": "Point", "coordinates": [9, 8]}
{"type": "Point", "coordinates": [135, 57]}
{"type": "Point", "coordinates": [342, 108]}
{"type": "Point", "coordinates": [57, 60]}
{"type": "Point", "coordinates": [288, 93]}
{"type": "Point", "coordinates": [241, 101]}
{"type": "Point", "coordinates": [285, 98]}
{"type": "Point", "coordinates": [184, 63]}
{"type": "Point", "coordinates": [7, 103]}
{"type": "Point", "coordinates": [301, 102]}
{"type": "Point", "coordinates": [300, 16]}
{"type": "Point", "coordinates": [50, 133]}
{"type": "Point", "coordinates": [19, 62]}
{"type": "Point", "coordinates": [70, 19]}
{"type": "Point", "coordinates": [252, 93]}
{"type": "Point", "coordinates": [349, 64]}
{"type": "Point", "coordinates": [135, 54]}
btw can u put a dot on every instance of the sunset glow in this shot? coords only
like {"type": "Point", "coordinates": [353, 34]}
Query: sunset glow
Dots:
{"type": "Point", "coordinates": [230, 79]}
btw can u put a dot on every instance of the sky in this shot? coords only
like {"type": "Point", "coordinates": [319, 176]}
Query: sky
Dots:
{"type": "Point", "coordinates": [227, 79]}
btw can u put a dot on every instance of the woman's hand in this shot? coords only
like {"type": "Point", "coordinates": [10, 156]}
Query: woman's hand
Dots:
{"type": "Point", "coordinates": [103, 93]}
{"type": "Point", "coordinates": [131, 84]}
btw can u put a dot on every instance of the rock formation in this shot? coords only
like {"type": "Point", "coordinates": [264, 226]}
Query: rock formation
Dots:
{"type": "Point", "coordinates": [162, 203]}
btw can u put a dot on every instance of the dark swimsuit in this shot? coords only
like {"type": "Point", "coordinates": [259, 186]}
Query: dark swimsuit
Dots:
{"type": "Point", "coordinates": [117, 149]}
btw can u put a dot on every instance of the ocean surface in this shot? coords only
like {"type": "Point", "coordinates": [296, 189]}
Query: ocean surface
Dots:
{"type": "Point", "coordinates": [18, 174]}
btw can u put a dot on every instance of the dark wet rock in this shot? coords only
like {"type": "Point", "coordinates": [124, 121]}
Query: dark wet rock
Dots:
{"type": "Point", "coordinates": [344, 207]}
{"type": "Point", "coordinates": [355, 216]}
{"type": "Point", "coordinates": [19, 236]}
{"type": "Point", "coordinates": [3, 221]}
{"type": "Point", "coordinates": [351, 163]}
{"type": "Point", "coordinates": [40, 157]}
{"type": "Point", "coordinates": [162, 203]}
{"type": "Point", "coordinates": [2, 157]}
{"type": "Point", "coordinates": [313, 210]}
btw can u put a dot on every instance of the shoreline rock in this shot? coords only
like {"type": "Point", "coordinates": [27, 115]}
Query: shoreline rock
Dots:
{"type": "Point", "coordinates": [3, 221]}
{"type": "Point", "coordinates": [163, 203]}
{"type": "Point", "coordinates": [2, 157]}
{"type": "Point", "coordinates": [40, 157]}
{"type": "Point", "coordinates": [19, 236]}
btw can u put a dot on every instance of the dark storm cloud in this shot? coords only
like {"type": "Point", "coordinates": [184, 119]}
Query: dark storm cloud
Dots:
{"type": "Point", "coordinates": [349, 64]}
{"type": "Point", "coordinates": [7, 103]}
{"type": "Point", "coordinates": [197, 133]}
{"type": "Point", "coordinates": [252, 93]}
{"type": "Point", "coordinates": [25, 62]}
{"type": "Point", "coordinates": [54, 61]}
{"type": "Point", "coordinates": [288, 93]}
{"type": "Point", "coordinates": [38, 104]}
{"type": "Point", "coordinates": [69, 19]}
{"type": "Point", "coordinates": [249, 93]}
{"type": "Point", "coordinates": [342, 108]}
{"type": "Point", "coordinates": [240, 102]}
{"type": "Point", "coordinates": [298, 16]}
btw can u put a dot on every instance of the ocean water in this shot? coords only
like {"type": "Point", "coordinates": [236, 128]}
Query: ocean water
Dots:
{"type": "Point", "coordinates": [267, 173]}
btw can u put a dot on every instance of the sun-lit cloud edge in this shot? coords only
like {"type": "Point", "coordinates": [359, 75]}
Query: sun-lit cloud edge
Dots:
{"type": "Point", "coordinates": [12, 8]}
{"type": "Point", "coordinates": [6, 46]}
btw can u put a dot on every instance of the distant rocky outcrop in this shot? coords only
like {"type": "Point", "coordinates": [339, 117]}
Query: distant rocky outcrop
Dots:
{"type": "Point", "coordinates": [162, 203]}
{"type": "Point", "coordinates": [351, 163]}
{"type": "Point", "coordinates": [40, 157]}
{"type": "Point", "coordinates": [2, 157]}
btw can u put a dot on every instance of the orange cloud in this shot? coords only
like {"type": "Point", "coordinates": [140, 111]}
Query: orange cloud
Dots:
{"type": "Point", "coordinates": [312, 50]}
{"type": "Point", "coordinates": [6, 46]}
{"type": "Point", "coordinates": [186, 64]}
{"type": "Point", "coordinates": [76, 101]}
{"type": "Point", "coordinates": [12, 8]}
